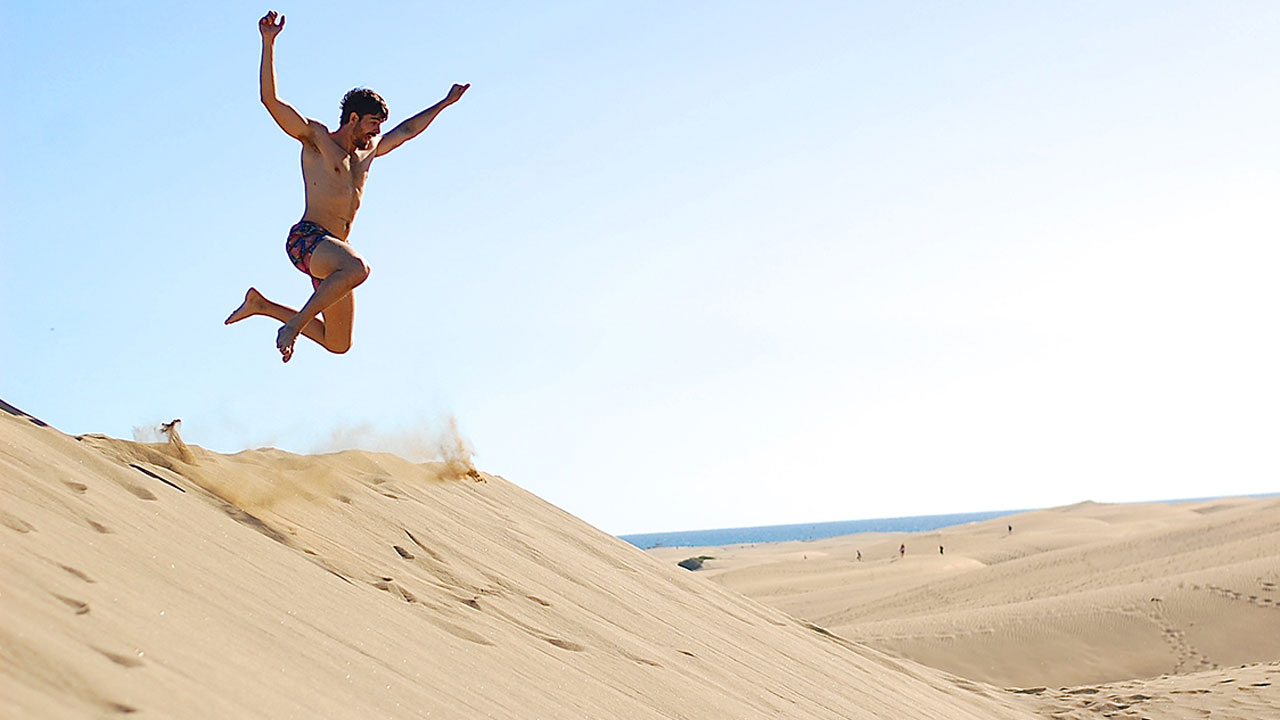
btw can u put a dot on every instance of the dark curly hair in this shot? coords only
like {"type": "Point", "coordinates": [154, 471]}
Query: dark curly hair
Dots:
{"type": "Point", "coordinates": [363, 101]}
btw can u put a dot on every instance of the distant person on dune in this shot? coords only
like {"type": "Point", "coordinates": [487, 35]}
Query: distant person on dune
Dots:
{"type": "Point", "coordinates": [335, 164]}
{"type": "Point", "coordinates": [902, 550]}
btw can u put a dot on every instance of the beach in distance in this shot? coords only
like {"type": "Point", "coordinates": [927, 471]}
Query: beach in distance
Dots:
{"type": "Point", "coordinates": [804, 531]}
{"type": "Point", "coordinates": [1159, 610]}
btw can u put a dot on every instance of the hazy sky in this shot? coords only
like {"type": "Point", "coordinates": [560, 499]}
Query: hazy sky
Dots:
{"type": "Point", "coordinates": [676, 265]}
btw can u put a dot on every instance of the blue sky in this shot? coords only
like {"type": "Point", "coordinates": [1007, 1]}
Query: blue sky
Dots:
{"type": "Point", "coordinates": [677, 265]}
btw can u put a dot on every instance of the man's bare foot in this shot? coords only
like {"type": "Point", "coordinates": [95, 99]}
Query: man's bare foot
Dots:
{"type": "Point", "coordinates": [284, 341]}
{"type": "Point", "coordinates": [252, 305]}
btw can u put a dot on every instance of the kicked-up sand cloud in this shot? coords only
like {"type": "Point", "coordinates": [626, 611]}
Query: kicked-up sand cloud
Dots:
{"type": "Point", "coordinates": [439, 444]}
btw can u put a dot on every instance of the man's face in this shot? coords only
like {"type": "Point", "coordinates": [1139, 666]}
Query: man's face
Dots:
{"type": "Point", "coordinates": [367, 128]}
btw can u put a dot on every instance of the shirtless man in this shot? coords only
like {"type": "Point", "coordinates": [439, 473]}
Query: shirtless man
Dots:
{"type": "Point", "coordinates": [334, 167]}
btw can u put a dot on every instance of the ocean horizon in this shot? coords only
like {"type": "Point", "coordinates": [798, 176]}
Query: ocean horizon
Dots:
{"type": "Point", "coordinates": [822, 530]}
{"type": "Point", "coordinates": [806, 531]}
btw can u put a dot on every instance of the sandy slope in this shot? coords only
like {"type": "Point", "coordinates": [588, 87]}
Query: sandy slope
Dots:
{"type": "Point", "coordinates": [265, 584]}
{"type": "Point", "coordinates": [1074, 598]}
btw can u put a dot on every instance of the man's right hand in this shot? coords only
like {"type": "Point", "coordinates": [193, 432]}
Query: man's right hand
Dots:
{"type": "Point", "coordinates": [268, 27]}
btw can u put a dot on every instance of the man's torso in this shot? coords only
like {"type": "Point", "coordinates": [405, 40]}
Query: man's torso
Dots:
{"type": "Point", "coordinates": [334, 181]}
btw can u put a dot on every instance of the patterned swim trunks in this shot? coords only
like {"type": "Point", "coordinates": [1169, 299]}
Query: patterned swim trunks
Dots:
{"type": "Point", "coordinates": [302, 241]}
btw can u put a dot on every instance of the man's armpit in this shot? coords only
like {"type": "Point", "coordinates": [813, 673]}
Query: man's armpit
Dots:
{"type": "Point", "coordinates": [315, 130]}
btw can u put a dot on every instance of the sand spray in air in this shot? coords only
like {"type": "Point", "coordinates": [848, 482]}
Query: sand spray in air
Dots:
{"type": "Point", "coordinates": [437, 444]}
{"type": "Point", "coordinates": [165, 432]}
{"type": "Point", "coordinates": [170, 431]}
{"type": "Point", "coordinates": [147, 433]}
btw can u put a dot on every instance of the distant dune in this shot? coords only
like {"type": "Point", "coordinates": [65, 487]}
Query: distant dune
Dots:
{"type": "Point", "coordinates": [135, 582]}
{"type": "Point", "coordinates": [1153, 610]}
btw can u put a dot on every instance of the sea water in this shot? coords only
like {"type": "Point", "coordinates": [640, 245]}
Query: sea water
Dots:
{"type": "Point", "coordinates": [806, 531]}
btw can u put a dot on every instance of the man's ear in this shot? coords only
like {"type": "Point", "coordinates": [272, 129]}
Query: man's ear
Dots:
{"type": "Point", "coordinates": [352, 118]}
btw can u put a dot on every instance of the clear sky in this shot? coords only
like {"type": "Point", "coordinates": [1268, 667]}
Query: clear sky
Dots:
{"type": "Point", "coordinates": [676, 265]}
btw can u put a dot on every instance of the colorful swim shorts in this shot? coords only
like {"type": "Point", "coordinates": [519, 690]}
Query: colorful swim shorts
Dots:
{"type": "Point", "coordinates": [302, 241]}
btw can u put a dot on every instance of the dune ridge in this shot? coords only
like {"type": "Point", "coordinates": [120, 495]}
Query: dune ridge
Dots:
{"type": "Point", "coordinates": [359, 584]}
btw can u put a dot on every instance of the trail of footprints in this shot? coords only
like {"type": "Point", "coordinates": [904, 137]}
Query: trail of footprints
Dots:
{"type": "Point", "coordinates": [1120, 700]}
{"type": "Point", "coordinates": [458, 590]}
{"type": "Point", "coordinates": [1253, 599]}
{"type": "Point", "coordinates": [455, 587]}
{"type": "Point", "coordinates": [1189, 658]}
{"type": "Point", "coordinates": [80, 607]}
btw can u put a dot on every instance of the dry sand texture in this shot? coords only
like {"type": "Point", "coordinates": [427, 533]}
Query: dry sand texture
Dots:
{"type": "Point", "coordinates": [1088, 600]}
{"type": "Point", "coordinates": [360, 585]}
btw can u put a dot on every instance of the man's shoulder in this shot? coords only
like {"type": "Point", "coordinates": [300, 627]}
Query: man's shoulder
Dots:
{"type": "Point", "coordinates": [317, 134]}
{"type": "Point", "coordinates": [318, 126]}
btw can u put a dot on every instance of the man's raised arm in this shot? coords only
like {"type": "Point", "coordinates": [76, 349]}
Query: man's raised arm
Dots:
{"type": "Point", "coordinates": [289, 119]}
{"type": "Point", "coordinates": [414, 126]}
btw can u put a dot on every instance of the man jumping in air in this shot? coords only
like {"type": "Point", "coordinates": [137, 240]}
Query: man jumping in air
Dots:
{"type": "Point", "coordinates": [334, 167]}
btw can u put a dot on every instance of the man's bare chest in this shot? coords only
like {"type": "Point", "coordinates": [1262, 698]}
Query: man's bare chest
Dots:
{"type": "Point", "coordinates": [335, 167]}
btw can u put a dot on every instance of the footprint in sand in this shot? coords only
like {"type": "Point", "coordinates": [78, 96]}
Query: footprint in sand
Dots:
{"type": "Point", "coordinates": [121, 660]}
{"type": "Point", "coordinates": [248, 520]}
{"type": "Point", "coordinates": [140, 492]}
{"type": "Point", "coordinates": [434, 555]}
{"type": "Point", "coordinates": [386, 584]}
{"type": "Point", "coordinates": [77, 573]}
{"type": "Point", "coordinates": [13, 522]}
{"type": "Point", "coordinates": [565, 644]}
{"type": "Point", "coordinates": [81, 607]}
{"type": "Point", "coordinates": [461, 632]}
{"type": "Point", "coordinates": [640, 660]}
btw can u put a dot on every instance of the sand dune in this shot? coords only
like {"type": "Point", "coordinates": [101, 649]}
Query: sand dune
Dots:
{"type": "Point", "coordinates": [1087, 598]}
{"type": "Point", "coordinates": [266, 584]}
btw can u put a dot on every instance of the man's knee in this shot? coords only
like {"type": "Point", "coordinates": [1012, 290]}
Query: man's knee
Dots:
{"type": "Point", "coordinates": [359, 270]}
{"type": "Point", "coordinates": [338, 347]}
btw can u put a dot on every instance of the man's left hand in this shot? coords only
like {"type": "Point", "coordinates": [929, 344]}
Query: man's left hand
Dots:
{"type": "Point", "coordinates": [455, 93]}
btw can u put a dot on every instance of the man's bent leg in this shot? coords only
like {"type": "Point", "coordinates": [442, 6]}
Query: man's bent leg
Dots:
{"type": "Point", "coordinates": [342, 270]}
{"type": "Point", "coordinates": [255, 303]}
{"type": "Point", "coordinates": [338, 321]}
